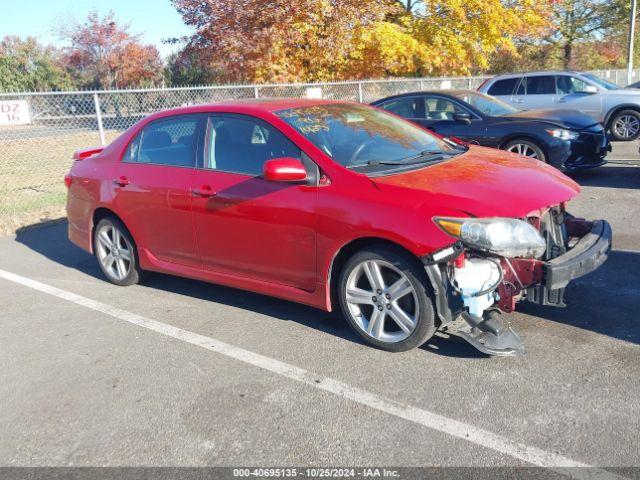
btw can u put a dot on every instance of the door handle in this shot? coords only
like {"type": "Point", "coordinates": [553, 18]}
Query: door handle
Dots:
{"type": "Point", "coordinates": [205, 191]}
{"type": "Point", "coordinates": [122, 181]}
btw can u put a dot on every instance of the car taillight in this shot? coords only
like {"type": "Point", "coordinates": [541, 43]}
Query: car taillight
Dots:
{"type": "Point", "coordinates": [68, 179]}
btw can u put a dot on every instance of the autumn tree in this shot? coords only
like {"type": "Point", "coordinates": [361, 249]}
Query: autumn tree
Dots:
{"type": "Point", "coordinates": [463, 34]}
{"type": "Point", "coordinates": [103, 54]}
{"type": "Point", "coordinates": [582, 34]}
{"type": "Point", "coordinates": [281, 40]}
{"type": "Point", "coordinates": [321, 40]}
{"type": "Point", "coordinates": [26, 65]}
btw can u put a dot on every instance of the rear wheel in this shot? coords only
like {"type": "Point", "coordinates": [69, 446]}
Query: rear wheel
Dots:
{"type": "Point", "coordinates": [525, 147]}
{"type": "Point", "coordinates": [625, 125]}
{"type": "Point", "coordinates": [384, 296]}
{"type": "Point", "coordinates": [116, 252]}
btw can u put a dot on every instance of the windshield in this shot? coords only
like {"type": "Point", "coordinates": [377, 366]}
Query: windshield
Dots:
{"type": "Point", "coordinates": [358, 135]}
{"type": "Point", "coordinates": [603, 83]}
{"type": "Point", "coordinates": [488, 105]}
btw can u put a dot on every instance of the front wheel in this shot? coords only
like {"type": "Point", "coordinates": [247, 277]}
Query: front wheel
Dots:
{"type": "Point", "coordinates": [625, 125]}
{"type": "Point", "coordinates": [525, 147]}
{"type": "Point", "coordinates": [384, 295]}
{"type": "Point", "coordinates": [116, 252]}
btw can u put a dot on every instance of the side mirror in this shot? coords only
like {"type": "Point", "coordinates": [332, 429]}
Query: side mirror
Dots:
{"type": "Point", "coordinates": [284, 169]}
{"type": "Point", "coordinates": [462, 117]}
{"type": "Point", "coordinates": [590, 89]}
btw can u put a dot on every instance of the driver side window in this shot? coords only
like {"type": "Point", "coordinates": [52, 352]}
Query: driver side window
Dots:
{"type": "Point", "coordinates": [438, 108]}
{"type": "Point", "coordinates": [568, 85]}
{"type": "Point", "coordinates": [242, 145]}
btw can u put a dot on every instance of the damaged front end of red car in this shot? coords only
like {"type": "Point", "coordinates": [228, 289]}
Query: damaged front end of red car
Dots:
{"type": "Point", "coordinates": [479, 284]}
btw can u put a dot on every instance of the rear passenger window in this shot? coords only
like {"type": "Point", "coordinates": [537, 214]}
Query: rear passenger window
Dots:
{"type": "Point", "coordinates": [242, 145]}
{"type": "Point", "coordinates": [405, 107]}
{"type": "Point", "coordinates": [166, 142]}
{"type": "Point", "coordinates": [539, 85]}
{"type": "Point", "coordinates": [503, 87]}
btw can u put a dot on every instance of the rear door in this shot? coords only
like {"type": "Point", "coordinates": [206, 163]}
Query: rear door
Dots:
{"type": "Point", "coordinates": [246, 225]}
{"type": "Point", "coordinates": [504, 88]}
{"type": "Point", "coordinates": [535, 92]}
{"type": "Point", "coordinates": [152, 188]}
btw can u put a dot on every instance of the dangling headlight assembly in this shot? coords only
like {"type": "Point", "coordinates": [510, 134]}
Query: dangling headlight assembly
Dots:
{"type": "Point", "coordinates": [507, 237]}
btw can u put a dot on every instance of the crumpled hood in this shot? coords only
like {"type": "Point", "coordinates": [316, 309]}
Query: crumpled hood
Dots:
{"type": "Point", "coordinates": [485, 182]}
{"type": "Point", "coordinates": [561, 118]}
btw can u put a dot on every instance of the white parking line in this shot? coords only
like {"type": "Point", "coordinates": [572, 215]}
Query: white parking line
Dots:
{"type": "Point", "coordinates": [415, 415]}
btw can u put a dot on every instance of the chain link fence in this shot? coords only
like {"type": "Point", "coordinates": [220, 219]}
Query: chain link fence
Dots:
{"type": "Point", "coordinates": [40, 131]}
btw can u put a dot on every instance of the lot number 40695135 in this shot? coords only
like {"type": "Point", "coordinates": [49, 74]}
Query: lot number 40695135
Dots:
{"type": "Point", "coordinates": [14, 112]}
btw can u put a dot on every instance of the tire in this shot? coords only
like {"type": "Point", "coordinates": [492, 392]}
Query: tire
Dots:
{"type": "Point", "coordinates": [122, 268]}
{"type": "Point", "coordinates": [402, 277]}
{"type": "Point", "coordinates": [529, 148]}
{"type": "Point", "coordinates": [625, 125]}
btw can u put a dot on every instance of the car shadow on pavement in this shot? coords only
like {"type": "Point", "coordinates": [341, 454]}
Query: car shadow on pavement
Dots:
{"type": "Point", "coordinates": [613, 175]}
{"type": "Point", "coordinates": [605, 302]}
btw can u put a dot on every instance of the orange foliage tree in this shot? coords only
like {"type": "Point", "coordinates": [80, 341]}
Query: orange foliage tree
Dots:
{"type": "Point", "coordinates": [103, 54]}
{"type": "Point", "coordinates": [282, 40]}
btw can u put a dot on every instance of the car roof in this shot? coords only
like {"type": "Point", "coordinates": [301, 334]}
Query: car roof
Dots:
{"type": "Point", "coordinates": [254, 104]}
{"type": "Point", "coordinates": [444, 92]}
{"type": "Point", "coordinates": [536, 73]}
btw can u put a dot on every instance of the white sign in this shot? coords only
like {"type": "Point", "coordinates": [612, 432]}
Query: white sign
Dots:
{"type": "Point", "coordinates": [14, 112]}
{"type": "Point", "coordinates": [445, 85]}
{"type": "Point", "coordinates": [314, 92]}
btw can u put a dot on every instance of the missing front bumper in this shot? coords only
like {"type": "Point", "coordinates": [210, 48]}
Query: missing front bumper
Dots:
{"type": "Point", "coordinates": [587, 255]}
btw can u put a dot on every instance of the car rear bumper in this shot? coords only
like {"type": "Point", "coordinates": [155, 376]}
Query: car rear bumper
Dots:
{"type": "Point", "coordinates": [587, 255]}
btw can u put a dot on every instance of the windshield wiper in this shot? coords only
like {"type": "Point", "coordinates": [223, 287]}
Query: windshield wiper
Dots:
{"type": "Point", "coordinates": [426, 156]}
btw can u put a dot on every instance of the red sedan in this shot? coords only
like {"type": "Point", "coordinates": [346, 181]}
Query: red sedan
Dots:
{"type": "Point", "coordinates": [335, 205]}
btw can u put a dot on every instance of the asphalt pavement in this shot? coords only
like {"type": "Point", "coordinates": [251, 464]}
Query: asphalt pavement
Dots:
{"type": "Point", "coordinates": [184, 373]}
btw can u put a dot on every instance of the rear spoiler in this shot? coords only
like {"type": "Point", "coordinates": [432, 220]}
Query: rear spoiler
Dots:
{"type": "Point", "coordinates": [87, 152]}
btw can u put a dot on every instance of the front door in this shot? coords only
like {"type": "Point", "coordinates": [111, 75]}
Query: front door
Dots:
{"type": "Point", "coordinates": [246, 225]}
{"type": "Point", "coordinates": [152, 188]}
{"type": "Point", "coordinates": [444, 116]}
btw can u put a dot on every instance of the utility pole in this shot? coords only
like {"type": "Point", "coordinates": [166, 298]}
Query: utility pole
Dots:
{"type": "Point", "coordinates": [632, 31]}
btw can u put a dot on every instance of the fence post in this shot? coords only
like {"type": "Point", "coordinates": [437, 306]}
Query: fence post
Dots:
{"type": "Point", "coordinates": [469, 83]}
{"type": "Point", "coordinates": [421, 84]}
{"type": "Point", "coordinates": [256, 94]}
{"type": "Point", "coordinates": [96, 104]}
{"type": "Point", "coordinates": [360, 92]}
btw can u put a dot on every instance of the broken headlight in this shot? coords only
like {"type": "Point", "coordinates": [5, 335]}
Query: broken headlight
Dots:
{"type": "Point", "coordinates": [507, 237]}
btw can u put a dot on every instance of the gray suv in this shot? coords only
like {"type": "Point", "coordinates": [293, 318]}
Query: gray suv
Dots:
{"type": "Point", "coordinates": [616, 108]}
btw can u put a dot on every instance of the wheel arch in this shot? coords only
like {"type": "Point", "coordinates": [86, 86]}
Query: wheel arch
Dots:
{"type": "Point", "coordinates": [524, 136]}
{"type": "Point", "coordinates": [102, 212]}
{"type": "Point", "coordinates": [344, 252]}
{"type": "Point", "coordinates": [618, 108]}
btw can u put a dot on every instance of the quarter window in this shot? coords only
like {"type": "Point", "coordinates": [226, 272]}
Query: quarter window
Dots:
{"type": "Point", "coordinates": [503, 87]}
{"type": "Point", "coordinates": [242, 145]}
{"type": "Point", "coordinates": [166, 142]}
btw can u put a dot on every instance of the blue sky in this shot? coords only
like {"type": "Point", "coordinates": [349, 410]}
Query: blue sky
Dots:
{"type": "Point", "coordinates": [154, 19]}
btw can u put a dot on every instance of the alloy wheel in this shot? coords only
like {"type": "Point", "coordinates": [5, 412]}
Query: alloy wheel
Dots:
{"type": "Point", "coordinates": [114, 252]}
{"type": "Point", "coordinates": [382, 301]}
{"type": "Point", "coordinates": [523, 149]}
{"type": "Point", "coordinates": [626, 126]}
